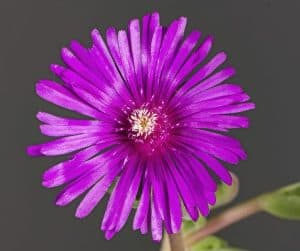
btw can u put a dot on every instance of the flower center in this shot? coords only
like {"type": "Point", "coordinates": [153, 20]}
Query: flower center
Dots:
{"type": "Point", "coordinates": [142, 122]}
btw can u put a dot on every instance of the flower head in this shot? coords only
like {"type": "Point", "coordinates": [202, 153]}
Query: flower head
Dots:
{"type": "Point", "coordinates": [155, 116]}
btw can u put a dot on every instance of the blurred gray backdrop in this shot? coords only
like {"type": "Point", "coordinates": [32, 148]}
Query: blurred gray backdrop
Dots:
{"type": "Point", "coordinates": [262, 40]}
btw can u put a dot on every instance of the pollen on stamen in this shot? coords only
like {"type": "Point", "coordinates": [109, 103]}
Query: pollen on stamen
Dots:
{"type": "Point", "coordinates": [142, 122]}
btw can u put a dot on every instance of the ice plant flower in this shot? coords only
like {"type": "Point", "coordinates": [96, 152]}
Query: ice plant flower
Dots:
{"type": "Point", "coordinates": [155, 115]}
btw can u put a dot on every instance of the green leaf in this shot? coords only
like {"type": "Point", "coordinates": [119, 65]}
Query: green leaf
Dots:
{"type": "Point", "coordinates": [283, 203]}
{"type": "Point", "coordinates": [225, 194]}
{"type": "Point", "coordinates": [213, 243]}
{"type": "Point", "coordinates": [190, 226]}
{"type": "Point", "coordinates": [210, 243]}
{"type": "Point", "coordinates": [230, 249]}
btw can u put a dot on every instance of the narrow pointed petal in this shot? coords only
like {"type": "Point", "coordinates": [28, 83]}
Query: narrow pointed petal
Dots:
{"type": "Point", "coordinates": [117, 198]}
{"type": "Point", "coordinates": [205, 71]}
{"type": "Point", "coordinates": [145, 225]}
{"type": "Point", "coordinates": [156, 222]}
{"type": "Point", "coordinates": [75, 64]}
{"type": "Point", "coordinates": [130, 198]}
{"type": "Point", "coordinates": [169, 44]}
{"type": "Point", "coordinates": [67, 144]}
{"type": "Point", "coordinates": [227, 121]}
{"type": "Point", "coordinates": [55, 131]}
{"type": "Point", "coordinates": [184, 190]}
{"type": "Point", "coordinates": [174, 205]}
{"type": "Point", "coordinates": [195, 59]}
{"type": "Point", "coordinates": [51, 119]}
{"type": "Point", "coordinates": [216, 79]}
{"type": "Point", "coordinates": [219, 91]}
{"type": "Point", "coordinates": [143, 207]}
{"type": "Point", "coordinates": [217, 167]}
{"type": "Point", "coordinates": [100, 44]}
{"type": "Point", "coordinates": [135, 43]}
{"type": "Point", "coordinates": [95, 195]}
{"type": "Point", "coordinates": [160, 194]}
{"type": "Point", "coordinates": [68, 171]}
{"type": "Point", "coordinates": [78, 187]}
{"type": "Point", "coordinates": [154, 53]}
{"type": "Point", "coordinates": [183, 52]}
{"type": "Point", "coordinates": [57, 94]}
{"type": "Point", "coordinates": [149, 25]}
{"type": "Point", "coordinates": [127, 63]}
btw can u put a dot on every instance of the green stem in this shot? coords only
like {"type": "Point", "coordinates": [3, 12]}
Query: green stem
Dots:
{"type": "Point", "coordinates": [225, 219]}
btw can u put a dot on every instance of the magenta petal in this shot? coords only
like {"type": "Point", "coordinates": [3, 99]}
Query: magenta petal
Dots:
{"type": "Point", "coordinates": [130, 198]}
{"type": "Point", "coordinates": [126, 59]}
{"type": "Point", "coordinates": [117, 197]}
{"type": "Point", "coordinates": [79, 186]}
{"type": "Point", "coordinates": [205, 125]}
{"type": "Point", "coordinates": [82, 54]}
{"type": "Point", "coordinates": [197, 171]}
{"type": "Point", "coordinates": [154, 54]}
{"type": "Point", "coordinates": [71, 78]}
{"type": "Point", "coordinates": [183, 52]}
{"type": "Point", "coordinates": [51, 119]}
{"type": "Point", "coordinates": [216, 79]}
{"type": "Point", "coordinates": [60, 96]}
{"type": "Point", "coordinates": [75, 64]}
{"type": "Point", "coordinates": [171, 38]}
{"type": "Point", "coordinates": [199, 181]}
{"type": "Point", "coordinates": [51, 130]}
{"type": "Point", "coordinates": [67, 171]}
{"type": "Point", "coordinates": [219, 152]}
{"type": "Point", "coordinates": [109, 234]}
{"type": "Point", "coordinates": [144, 226]}
{"type": "Point", "coordinates": [210, 197]}
{"type": "Point", "coordinates": [227, 121]}
{"type": "Point", "coordinates": [217, 167]}
{"type": "Point", "coordinates": [143, 207]}
{"type": "Point", "coordinates": [112, 42]}
{"type": "Point", "coordinates": [219, 91]}
{"type": "Point", "coordinates": [77, 159]}
{"type": "Point", "coordinates": [205, 71]}
{"type": "Point", "coordinates": [88, 60]}
{"type": "Point", "coordinates": [195, 59]}
{"type": "Point", "coordinates": [174, 205]}
{"type": "Point", "coordinates": [135, 42]}
{"type": "Point", "coordinates": [104, 52]}
{"type": "Point", "coordinates": [95, 195]}
{"type": "Point", "coordinates": [156, 222]}
{"type": "Point", "coordinates": [145, 52]}
{"type": "Point", "coordinates": [33, 150]}
{"type": "Point", "coordinates": [68, 144]}
{"type": "Point", "coordinates": [184, 190]}
{"type": "Point", "coordinates": [160, 194]}
{"type": "Point", "coordinates": [149, 25]}
{"type": "Point", "coordinates": [223, 101]}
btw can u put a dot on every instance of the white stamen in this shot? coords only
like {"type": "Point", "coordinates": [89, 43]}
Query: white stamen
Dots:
{"type": "Point", "coordinates": [142, 122]}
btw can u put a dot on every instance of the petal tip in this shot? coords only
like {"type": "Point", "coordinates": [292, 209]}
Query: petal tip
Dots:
{"type": "Point", "coordinates": [47, 184]}
{"type": "Point", "coordinates": [80, 214]}
{"type": "Point", "coordinates": [109, 234]}
{"type": "Point", "coordinates": [57, 69]}
{"type": "Point", "coordinates": [95, 31]}
{"type": "Point", "coordinates": [33, 150]}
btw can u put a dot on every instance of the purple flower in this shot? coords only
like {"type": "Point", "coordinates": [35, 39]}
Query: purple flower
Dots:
{"type": "Point", "coordinates": [156, 108]}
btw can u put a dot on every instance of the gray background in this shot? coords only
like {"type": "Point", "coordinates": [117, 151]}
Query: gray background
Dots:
{"type": "Point", "coordinates": [262, 39]}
